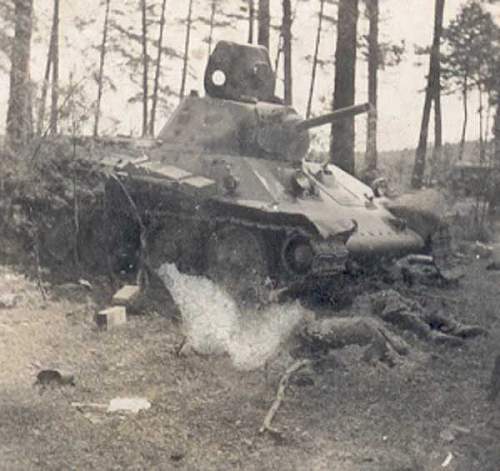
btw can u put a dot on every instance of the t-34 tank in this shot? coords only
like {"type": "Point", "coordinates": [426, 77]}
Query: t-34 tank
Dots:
{"type": "Point", "coordinates": [229, 191]}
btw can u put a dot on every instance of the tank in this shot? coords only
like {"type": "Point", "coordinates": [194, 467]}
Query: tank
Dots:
{"type": "Point", "coordinates": [229, 190]}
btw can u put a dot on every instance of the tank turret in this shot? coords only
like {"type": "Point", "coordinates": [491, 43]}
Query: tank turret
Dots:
{"type": "Point", "coordinates": [240, 113]}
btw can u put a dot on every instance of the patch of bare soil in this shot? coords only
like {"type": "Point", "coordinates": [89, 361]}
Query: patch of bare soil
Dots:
{"type": "Point", "coordinates": [428, 410]}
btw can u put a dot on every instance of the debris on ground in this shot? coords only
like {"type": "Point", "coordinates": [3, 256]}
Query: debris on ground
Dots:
{"type": "Point", "coordinates": [280, 395]}
{"type": "Point", "coordinates": [111, 317]}
{"type": "Point", "coordinates": [452, 432]}
{"type": "Point", "coordinates": [417, 269]}
{"type": "Point", "coordinates": [52, 377]}
{"type": "Point", "coordinates": [125, 295]}
{"type": "Point", "coordinates": [128, 404]}
{"type": "Point", "coordinates": [495, 258]}
{"type": "Point", "coordinates": [481, 250]}
{"type": "Point", "coordinates": [8, 300]}
{"type": "Point", "coordinates": [426, 324]}
{"type": "Point", "coordinates": [447, 460]}
{"type": "Point", "coordinates": [319, 336]}
{"type": "Point", "coordinates": [118, 404]}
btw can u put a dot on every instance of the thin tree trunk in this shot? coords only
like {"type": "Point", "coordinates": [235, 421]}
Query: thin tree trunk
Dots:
{"type": "Point", "coordinates": [19, 118]}
{"type": "Point", "coordinates": [496, 136]}
{"type": "Point", "coordinates": [481, 124]}
{"type": "Point", "coordinates": [54, 111]}
{"type": "Point", "coordinates": [342, 141]}
{"type": "Point", "coordinates": [438, 128]}
{"type": "Point", "coordinates": [251, 20]}
{"type": "Point", "coordinates": [186, 49]}
{"type": "Point", "coordinates": [373, 65]}
{"type": "Point", "coordinates": [156, 85]}
{"type": "Point", "coordinates": [100, 78]}
{"type": "Point", "coordinates": [264, 23]}
{"type": "Point", "coordinates": [212, 22]}
{"type": "Point", "coordinates": [465, 99]}
{"type": "Point", "coordinates": [145, 69]}
{"type": "Point", "coordinates": [432, 86]}
{"type": "Point", "coordinates": [278, 53]}
{"type": "Point", "coordinates": [45, 85]}
{"type": "Point", "coordinates": [487, 121]}
{"type": "Point", "coordinates": [315, 58]}
{"type": "Point", "coordinates": [287, 50]}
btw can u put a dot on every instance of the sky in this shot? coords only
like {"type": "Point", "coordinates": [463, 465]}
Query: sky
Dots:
{"type": "Point", "coordinates": [400, 88]}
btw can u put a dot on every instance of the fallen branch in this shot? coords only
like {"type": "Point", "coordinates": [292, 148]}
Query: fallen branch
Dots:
{"type": "Point", "coordinates": [280, 395]}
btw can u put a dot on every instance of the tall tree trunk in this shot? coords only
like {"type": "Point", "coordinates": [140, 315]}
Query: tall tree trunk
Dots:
{"type": "Point", "coordinates": [373, 65]}
{"type": "Point", "coordinates": [54, 110]}
{"type": "Point", "coordinates": [100, 78]}
{"type": "Point", "coordinates": [342, 141]}
{"type": "Point", "coordinates": [482, 150]}
{"type": "Point", "coordinates": [145, 69]}
{"type": "Point", "coordinates": [315, 58]}
{"type": "Point", "coordinates": [45, 85]}
{"type": "Point", "coordinates": [487, 122]}
{"type": "Point", "coordinates": [19, 112]}
{"type": "Point", "coordinates": [465, 99]}
{"type": "Point", "coordinates": [438, 127]}
{"type": "Point", "coordinates": [264, 23]}
{"type": "Point", "coordinates": [159, 56]}
{"type": "Point", "coordinates": [213, 10]}
{"type": "Point", "coordinates": [186, 49]}
{"type": "Point", "coordinates": [251, 20]}
{"type": "Point", "coordinates": [496, 135]}
{"type": "Point", "coordinates": [430, 93]}
{"type": "Point", "coordinates": [287, 50]}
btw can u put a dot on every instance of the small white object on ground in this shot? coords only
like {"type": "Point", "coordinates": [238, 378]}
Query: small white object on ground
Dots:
{"type": "Point", "coordinates": [8, 300]}
{"type": "Point", "coordinates": [128, 404]}
{"type": "Point", "coordinates": [447, 460]}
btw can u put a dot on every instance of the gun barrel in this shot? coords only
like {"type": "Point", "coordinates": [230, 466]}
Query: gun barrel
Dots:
{"type": "Point", "coordinates": [333, 116]}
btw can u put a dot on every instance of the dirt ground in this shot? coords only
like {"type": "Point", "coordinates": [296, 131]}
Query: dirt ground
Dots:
{"type": "Point", "coordinates": [429, 412]}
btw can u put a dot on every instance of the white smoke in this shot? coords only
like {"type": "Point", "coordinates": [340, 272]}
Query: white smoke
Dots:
{"type": "Point", "coordinates": [214, 324]}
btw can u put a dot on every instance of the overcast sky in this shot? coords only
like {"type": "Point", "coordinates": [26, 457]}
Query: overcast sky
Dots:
{"type": "Point", "coordinates": [400, 100]}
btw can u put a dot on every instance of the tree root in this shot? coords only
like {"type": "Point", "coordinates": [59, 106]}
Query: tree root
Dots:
{"type": "Point", "coordinates": [280, 395]}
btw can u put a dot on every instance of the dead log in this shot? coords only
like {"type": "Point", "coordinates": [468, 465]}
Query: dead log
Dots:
{"type": "Point", "coordinates": [319, 336]}
{"type": "Point", "coordinates": [428, 325]}
{"type": "Point", "coordinates": [280, 395]}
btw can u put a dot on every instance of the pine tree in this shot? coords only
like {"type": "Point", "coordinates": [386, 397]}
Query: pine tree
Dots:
{"type": "Point", "coordinates": [54, 108]}
{"type": "Point", "coordinates": [264, 23]}
{"type": "Point", "coordinates": [342, 132]}
{"type": "Point", "coordinates": [315, 57]}
{"type": "Point", "coordinates": [251, 20]}
{"type": "Point", "coordinates": [433, 87]}
{"type": "Point", "coordinates": [467, 52]}
{"type": "Point", "coordinates": [100, 77]}
{"type": "Point", "coordinates": [373, 66]}
{"type": "Point", "coordinates": [19, 112]}
{"type": "Point", "coordinates": [186, 49]}
{"type": "Point", "coordinates": [287, 50]}
{"type": "Point", "coordinates": [156, 86]}
{"type": "Point", "coordinates": [145, 68]}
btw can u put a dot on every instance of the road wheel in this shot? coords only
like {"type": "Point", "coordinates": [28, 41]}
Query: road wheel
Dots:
{"type": "Point", "coordinates": [237, 261]}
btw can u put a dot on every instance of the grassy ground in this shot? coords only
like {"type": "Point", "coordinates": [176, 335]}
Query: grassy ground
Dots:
{"type": "Point", "coordinates": [205, 414]}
